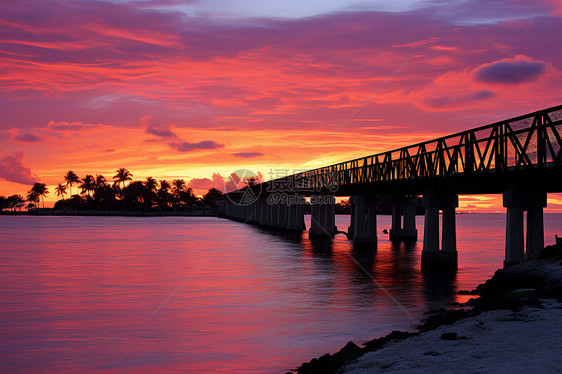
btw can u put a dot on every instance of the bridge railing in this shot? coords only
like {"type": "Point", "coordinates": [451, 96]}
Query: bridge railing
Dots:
{"type": "Point", "coordinates": [525, 142]}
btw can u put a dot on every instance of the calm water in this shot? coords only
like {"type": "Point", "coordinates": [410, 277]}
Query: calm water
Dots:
{"type": "Point", "coordinates": [187, 294]}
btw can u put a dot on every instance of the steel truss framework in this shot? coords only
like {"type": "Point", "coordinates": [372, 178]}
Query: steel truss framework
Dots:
{"type": "Point", "coordinates": [512, 148]}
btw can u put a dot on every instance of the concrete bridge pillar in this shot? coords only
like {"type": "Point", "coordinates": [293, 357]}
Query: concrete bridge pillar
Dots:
{"type": "Point", "coordinates": [404, 207]}
{"type": "Point", "coordinates": [256, 212]}
{"type": "Point", "coordinates": [220, 207]}
{"type": "Point", "coordinates": [432, 255]}
{"type": "Point", "coordinates": [281, 216]}
{"type": "Point", "coordinates": [252, 213]}
{"type": "Point", "coordinates": [261, 211]}
{"type": "Point", "coordinates": [238, 210]}
{"type": "Point", "coordinates": [268, 213]}
{"type": "Point", "coordinates": [350, 228]}
{"type": "Point", "coordinates": [274, 215]}
{"type": "Point", "coordinates": [295, 218]}
{"type": "Point", "coordinates": [323, 216]}
{"type": "Point", "coordinates": [227, 208]}
{"type": "Point", "coordinates": [518, 202]}
{"type": "Point", "coordinates": [364, 211]}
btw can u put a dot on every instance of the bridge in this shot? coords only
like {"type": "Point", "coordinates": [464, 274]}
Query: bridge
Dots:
{"type": "Point", "coordinates": [519, 157]}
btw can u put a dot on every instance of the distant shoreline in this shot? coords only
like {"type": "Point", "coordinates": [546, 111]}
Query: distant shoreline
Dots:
{"type": "Point", "coordinates": [100, 213]}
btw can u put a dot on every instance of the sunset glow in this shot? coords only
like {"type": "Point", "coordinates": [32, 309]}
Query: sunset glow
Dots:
{"type": "Point", "coordinates": [197, 90]}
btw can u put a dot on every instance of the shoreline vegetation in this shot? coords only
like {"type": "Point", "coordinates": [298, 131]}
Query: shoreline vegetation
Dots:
{"type": "Point", "coordinates": [123, 194]}
{"type": "Point", "coordinates": [112, 213]}
{"type": "Point", "coordinates": [517, 291]}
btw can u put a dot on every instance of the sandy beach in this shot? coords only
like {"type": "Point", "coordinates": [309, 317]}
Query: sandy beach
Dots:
{"type": "Point", "coordinates": [513, 324]}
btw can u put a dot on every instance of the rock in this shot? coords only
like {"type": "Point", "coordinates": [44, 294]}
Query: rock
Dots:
{"type": "Point", "coordinates": [443, 317]}
{"type": "Point", "coordinates": [551, 252]}
{"type": "Point", "coordinates": [375, 344]}
{"type": "Point", "coordinates": [431, 353]}
{"type": "Point", "coordinates": [449, 336]}
{"type": "Point", "coordinates": [467, 292]}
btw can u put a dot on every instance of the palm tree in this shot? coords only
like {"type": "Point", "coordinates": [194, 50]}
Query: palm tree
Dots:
{"type": "Point", "coordinates": [163, 193]}
{"type": "Point", "coordinates": [70, 179]}
{"type": "Point", "coordinates": [123, 175]}
{"type": "Point", "coordinates": [40, 189]}
{"type": "Point", "coordinates": [179, 185]}
{"type": "Point", "coordinates": [88, 184]}
{"type": "Point", "coordinates": [60, 190]}
{"type": "Point", "coordinates": [165, 185]}
{"type": "Point", "coordinates": [19, 201]}
{"type": "Point", "coordinates": [178, 189]}
{"type": "Point", "coordinates": [151, 184]}
{"type": "Point", "coordinates": [33, 199]}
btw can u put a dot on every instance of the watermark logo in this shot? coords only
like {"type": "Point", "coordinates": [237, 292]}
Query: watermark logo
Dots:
{"type": "Point", "coordinates": [247, 183]}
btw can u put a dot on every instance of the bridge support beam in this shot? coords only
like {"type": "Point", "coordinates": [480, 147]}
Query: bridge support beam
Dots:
{"type": "Point", "coordinates": [262, 211]}
{"type": "Point", "coordinates": [518, 202]}
{"type": "Point", "coordinates": [364, 219]}
{"type": "Point", "coordinates": [267, 214]}
{"type": "Point", "coordinates": [281, 216]}
{"type": "Point", "coordinates": [295, 218]}
{"type": "Point", "coordinates": [404, 207]}
{"type": "Point", "coordinates": [274, 215]}
{"type": "Point", "coordinates": [323, 216]}
{"type": "Point", "coordinates": [350, 228]}
{"type": "Point", "coordinates": [447, 256]}
{"type": "Point", "coordinates": [253, 211]}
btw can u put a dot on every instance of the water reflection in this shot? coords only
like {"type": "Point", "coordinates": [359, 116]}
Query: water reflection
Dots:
{"type": "Point", "coordinates": [76, 292]}
{"type": "Point", "coordinates": [440, 288]}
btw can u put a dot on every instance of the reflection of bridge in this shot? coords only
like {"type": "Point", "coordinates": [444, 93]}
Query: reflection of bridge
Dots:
{"type": "Point", "coordinates": [520, 157]}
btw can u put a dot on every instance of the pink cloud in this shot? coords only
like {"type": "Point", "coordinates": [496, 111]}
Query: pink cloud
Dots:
{"type": "Point", "coordinates": [161, 131]}
{"type": "Point", "coordinates": [27, 137]}
{"type": "Point", "coordinates": [248, 154]}
{"type": "Point", "coordinates": [69, 126]}
{"type": "Point", "coordinates": [13, 169]}
{"type": "Point", "coordinates": [185, 146]}
{"type": "Point", "coordinates": [203, 184]}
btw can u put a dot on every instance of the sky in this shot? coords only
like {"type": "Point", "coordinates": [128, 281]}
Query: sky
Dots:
{"type": "Point", "coordinates": [198, 89]}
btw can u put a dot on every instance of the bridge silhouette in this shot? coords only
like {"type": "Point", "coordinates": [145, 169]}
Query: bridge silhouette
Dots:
{"type": "Point", "coordinates": [519, 157]}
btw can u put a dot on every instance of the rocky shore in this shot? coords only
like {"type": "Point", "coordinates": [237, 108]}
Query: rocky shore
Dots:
{"type": "Point", "coordinates": [526, 288]}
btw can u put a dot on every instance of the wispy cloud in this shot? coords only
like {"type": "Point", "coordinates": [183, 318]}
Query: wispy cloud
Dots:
{"type": "Point", "coordinates": [184, 146]}
{"type": "Point", "coordinates": [248, 154]}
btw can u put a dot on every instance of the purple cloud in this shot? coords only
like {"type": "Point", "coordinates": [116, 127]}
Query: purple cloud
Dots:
{"type": "Point", "coordinates": [449, 101]}
{"type": "Point", "coordinates": [510, 72]}
{"type": "Point", "coordinates": [248, 154]}
{"type": "Point", "coordinates": [12, 169]}
{"type": "Point", "coordinates": [69, 126]}
{"type": "Point", "coordinates": [27, 137]}
{"type": "Point", "coordinates": [161, 131]}
{"type": "Point", "coordinates": [184, 146]}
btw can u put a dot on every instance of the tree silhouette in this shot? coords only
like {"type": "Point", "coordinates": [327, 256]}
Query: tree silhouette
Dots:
{"type": "Point", "coordinates": [88, 184]}
{"type": "Point", "coordinates": [123, 175]}
{"type": "Point", "coordinates": [71, 178]}
{"type": "Point", "coordinates": [100, 181]}
{"type": "Point", "coordinates": [211, 197]}
{"type": "Point", "coordinates": [163, 194]}
{"type": "Point", "coordinates": [150, 193]}
{"type": "Point", "coordinates": [177, 189]}
{"type": "Point", "coordinates": [60, 190]}
{"type": "Point", "coordinates": [40, 189]}
{"type": "Point", "coordinates": [18, 201]}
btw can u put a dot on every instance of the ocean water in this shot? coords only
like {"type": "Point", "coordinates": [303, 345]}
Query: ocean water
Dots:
{"type": "Point", "coordinates": [208, 295]}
